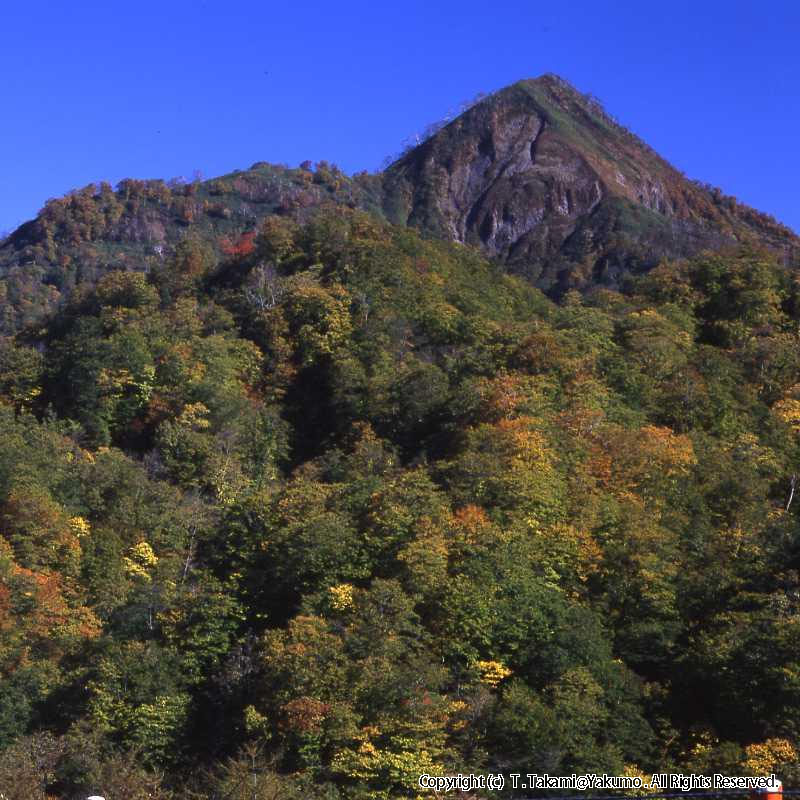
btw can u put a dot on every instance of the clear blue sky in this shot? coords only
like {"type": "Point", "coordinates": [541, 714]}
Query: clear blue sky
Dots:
{"type": "Point", "coordinates": [105, 90]}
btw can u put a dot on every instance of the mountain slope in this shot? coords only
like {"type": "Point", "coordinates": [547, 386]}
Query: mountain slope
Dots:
{"type": "Point", "coordinates": [358, 506]}
{"type": "Point", "coordinates": [78, 238]}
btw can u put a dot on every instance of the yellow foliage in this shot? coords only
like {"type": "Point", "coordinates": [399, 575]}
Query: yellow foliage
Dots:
{"type": "Point", "coordinates": [194, 416]}
{"type": "Point", "coordinates": [669, 450]}
{"type": "Point", "coordinates": [140, 560]}
{"type": "Point", "coordinates": [80, 527]}
{"type": "Point", "coordinates": [510, 464]}
{"type": "Point", "coordinates": [569, 549]}
{"type": "Point", "coordinates": [764, 757]}
{"type": "Point", "coordinates": [492, 672]}
{"type": "Point", "coordinates": [254, 722]}
{"type": "Point", "coordinates": [322, 317]}
{"type": "Point", "coordinates": [788, 410]}
{"type": "Point", "coordinates": [635, 771]}
{"type": "Point", "coordinates": [425, 556]}
{"type": "Point", "coordinates": [113, 381]}
{"type": "Point", "coordinates": [342, 596]}
{"type": "Point", "coordinates": [397, 763]}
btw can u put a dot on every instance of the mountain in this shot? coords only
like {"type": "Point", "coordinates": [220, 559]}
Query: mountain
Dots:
{"type": "Point", "coordinates": [537, 175]}
{"type": "Point", "coordinates": [544, 179]}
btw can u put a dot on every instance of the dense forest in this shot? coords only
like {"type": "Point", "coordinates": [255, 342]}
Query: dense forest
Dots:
{"type": "Point", "coordinates": [335, 505]}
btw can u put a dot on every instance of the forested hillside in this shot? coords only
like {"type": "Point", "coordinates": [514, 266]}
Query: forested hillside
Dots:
{"type": "Point", "coordinates": [337, 505]}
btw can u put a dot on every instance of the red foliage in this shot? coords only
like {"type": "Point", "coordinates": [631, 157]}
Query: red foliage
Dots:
{"type": "Point", "coordinates": [243, 246]}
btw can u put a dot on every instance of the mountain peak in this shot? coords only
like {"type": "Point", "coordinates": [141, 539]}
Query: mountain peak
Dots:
{"type": "Point", "coordinates": [549, 81]}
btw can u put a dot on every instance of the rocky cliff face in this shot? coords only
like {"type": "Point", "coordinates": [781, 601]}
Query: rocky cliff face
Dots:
{"type": "Point", "coordinates": [542, 178]}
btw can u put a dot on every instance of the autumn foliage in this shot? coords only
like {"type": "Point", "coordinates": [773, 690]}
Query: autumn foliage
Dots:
{"type": "Point", "coordinates": [331, 505]}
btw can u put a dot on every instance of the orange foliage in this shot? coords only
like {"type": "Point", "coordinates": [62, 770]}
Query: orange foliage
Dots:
{"type": "Point", "coordinates": [502, 396]}
{"type": "Point", "coordinates": [305, 714]}
{"type": "Point", "coordinates": [6, 611]}
{"type": "Point", "coordinates": [540, 352]}
{"type": "Point", "coordinates": [623, 460]}
{"type": "Point", "coordinates": [472, 520]}
{"type": "Point", "coordinates": [39, 530]}
{"type": "Point", "coordinates": [52, 617]}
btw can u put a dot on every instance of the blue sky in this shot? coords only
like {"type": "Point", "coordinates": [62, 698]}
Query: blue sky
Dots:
{"type": "Point", "coordinates": [105, 90]}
